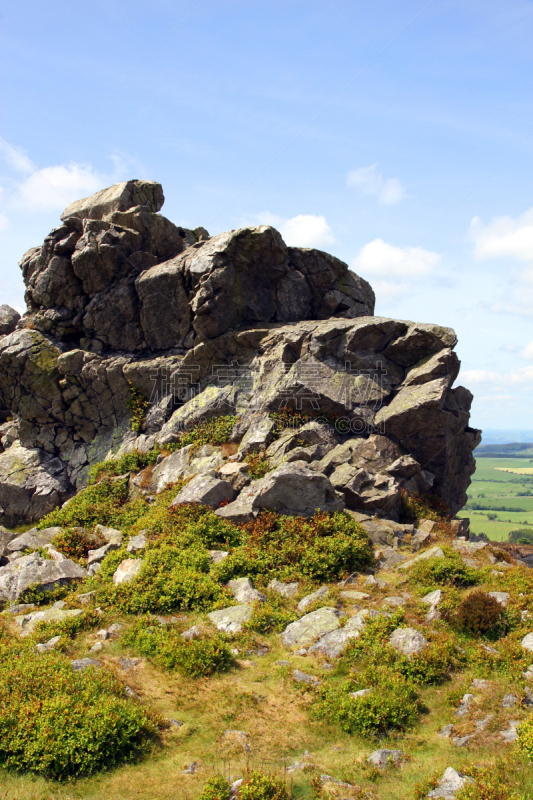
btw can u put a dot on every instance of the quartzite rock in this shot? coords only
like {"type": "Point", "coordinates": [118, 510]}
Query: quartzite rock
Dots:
{"type": "Point", "coordinates": [41, 573]}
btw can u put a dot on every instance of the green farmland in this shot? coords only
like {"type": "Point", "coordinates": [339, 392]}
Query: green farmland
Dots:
{"type": "Point", "coordinates": [492, 489]}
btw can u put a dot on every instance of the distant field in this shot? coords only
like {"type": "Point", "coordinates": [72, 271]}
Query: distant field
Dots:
{"type": "Point", "coordinates": [498, 482]}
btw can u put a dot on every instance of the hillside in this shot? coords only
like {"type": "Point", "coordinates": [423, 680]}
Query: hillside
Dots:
{"type": "Point", "coordinates": [230, 562]}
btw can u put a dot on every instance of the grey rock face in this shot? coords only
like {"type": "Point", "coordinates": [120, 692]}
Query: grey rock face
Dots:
{"type": "Point", "coordinates": [407, 641]}
{"type": "Point", "coordinates": [119, 296]}
{"type": "Point", "coordinates": [33, 570]}
{"type": "Point", "coordinates": [8, 319]}
{"type": "Point", "coordinates": [243, 591]}
{"type": "Point", "coordinates": [28, 622]}
{"type": "Point", "coordinates": [230, 620]}
{"type": "Point", "coordinates": [32, 539]}
{"type": "Point", "coordinates": [206, 490]}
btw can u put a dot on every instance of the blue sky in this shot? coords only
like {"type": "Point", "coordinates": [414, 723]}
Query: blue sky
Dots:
{"type": "Point", "coordinates": [396, 135]}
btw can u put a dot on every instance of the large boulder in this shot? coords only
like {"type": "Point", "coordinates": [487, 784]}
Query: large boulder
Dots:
{"type": "Point", "coordinates": [8, 319]}
{"type": "Point", "coordinates": [42, 574]}
{"type": "Point", "coordinates": [236, 324]}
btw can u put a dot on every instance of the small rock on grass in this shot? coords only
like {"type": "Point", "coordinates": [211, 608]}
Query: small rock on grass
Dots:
{"type": "Point", "coordinates": [450, 784]}
{"type": "Point", "coordinates": [231, 619]}
{"type": "Point", "coordinates": [284, 589]}
{"type": "Point", "coordinates": [509, 701]}
{"type": "Point", "coordinates": [407, 641]}
{"type": "Point", "coordinates": [510, 735]}
{"type": "Point", "coordinates": [243, 591]}
{"type": "Point", "coordinates": [303, 677]}
{"type": "Point", "coordinates": [127, 570]}
{"type": "Point", "coordinates": [81, 664]}
{"type": "Point", "coordinates": [381, 758]}
{"type": "Point", "coordinates": [49, 645]}
{"type": "Point", "coordinates": [464, 705]}
{"type": "Point", "coordinates": [192, 633]}
{"type": "Point", "coordinates": [309, 599]}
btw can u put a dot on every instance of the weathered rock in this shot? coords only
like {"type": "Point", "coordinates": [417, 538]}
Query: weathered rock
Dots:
{"type": "Point", "coordinates": [465, 704]}
{"type": "Point", "coordinates": [303, 677]}
{"type": "Point", "coordinates": [381, 758]}
{"type": "Point", "coordinates": [243, 591]}
{"type": "Point", "coordinates": [407, 641]}
{"type": "Point", "coordinates": [218, 555]}
{"type": "Point", "coordinates": [501, 597]}
{"type": "Point", "coordinates": [450, 784]}
{"type": "Point", "coordinates": [285, 589]}
{"type": "Point", "coordinates": [527, 642]}
{"type": "Point", "coordinates": [33, 539]}
{"type": "Point", "coordinates": [8, 319]}
{"type": "Point", "coordinates": [333, 643]}
{"type": "Point", "coordinates": [353, 597]}
{"type": "Point", "coordinates": [206, 490]}
{"type": "Point", "coordinates": [81, 664]}
{"type": "Point", "coordinates": [109, 535]}
{"type": "Point", "coordinates": [118, 296]}
{"type": "Point", "coordinates": [32, 483]}
{"type": "Point", "coordinates": [97, 556]}
{"type": "Point", "coordinates": [309, 599]}
{"type": "Point", "coordinates": [309, 628]}
{"type": "Point", "coordinates": [294, 489]}
{"type": "Point", "coordinates": [28, 622]}
{"type": "Point", "coordinates": [45, 647]}
{"type": "Point", "coordinates": [137, 543]}
{"type": "Point", "coordinates": [40, 573]}
{"type": "Point", "coordinates": [433, 552]}
{"type": "Point", "coordinates": [386, 532]}
{"type": "Point", "coordinates": [127, 570]}
{"type": "Point", "coordinates": [230, 620]}
{"type": "Point", "coordinates": [192, 633]}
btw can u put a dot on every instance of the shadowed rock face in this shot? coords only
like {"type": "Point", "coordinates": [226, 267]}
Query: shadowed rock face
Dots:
{"type": "Point", "coordinates": [118, 295]}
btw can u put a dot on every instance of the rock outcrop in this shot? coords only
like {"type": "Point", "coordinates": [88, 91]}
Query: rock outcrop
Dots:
{"type": "Point", "coordinates": [119, 297]}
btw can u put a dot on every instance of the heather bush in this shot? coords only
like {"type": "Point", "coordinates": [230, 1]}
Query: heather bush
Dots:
{"type": "Point", "coordinates": [129, 462]}
{"type": "Point", "coordinates": [74, 543]}
{"type": "Point", "coordinates": [197, 658]}
{"type": "Point", "coordinates": [447, 571]}
{"type": "Point", "coordinates": [215, 431]}
{"type": "Point", "coordinates": [479, 614]}
{"type": "Point", "coordinates": [61, 723]}
{"type": "Point", "coordinates": [320, 548]}
{"type": "Point", "coordinates": [105, 502]}
{"type": "Point", "coordinates": [260, 786]}
{"type": "Point", "coordinates": [272, 616]}
{"type": "Point", "coordinates": [258, 465]}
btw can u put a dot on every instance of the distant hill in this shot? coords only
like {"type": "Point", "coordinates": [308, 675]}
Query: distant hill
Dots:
{"type": "Point", "coordinates": [504, 436]}
{"type": "Point", "coordinates": [509, 450]}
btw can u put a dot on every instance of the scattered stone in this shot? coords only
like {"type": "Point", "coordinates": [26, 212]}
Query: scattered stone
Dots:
{"type": "Point", "coordinates": [32, 539]}
{"type": "Point", "coordinates": [205, 490]}
{"type": "Point", "coordinates": [333, 643]}
{"type": "Point", "coordinates": [128, 663]}
{"type": "Point", "coordinates": [528, 674]}
{"type": "Point", "coordinates": [407, 641]}
{"type": "Point", "coordinates": [109, 535]}
{"type": "Point", "coordinates": [509, 701]}
{"type": "Point", "coordinates": [481, 724]}
{"type": "Point", "coordinates": [394, 601]}
{"type": "Point", "coordinates": [49, 645]}
{"type": "Point", "coordinates": [426, 526]}
{"type": "Point", "coordinates": [243, 591]}
{"type": "Point", "coordinates": [419, 540]}
{"type": "Point", "coordinates": [137, 543]}
{"type": "Point", "coordinates": [388, 559]}
{"type": "Point", "coordinates": [285, 589]}
{"type": "Point", "coordinates": [360, 693]}
{"type": "Point", "coordinates": [230, 620]}
{"type": "Point", "coordinates": [464, 705]}
{"type": "Point", "coordinates": [527, 641]}
{"type": "Point", "coordinates": [433, 598]}
{"type": "Point", "coordinates": [354, 597]}
{"type": "Point", "coordinates": [21, 608]}
{"type": "Point", "coordinates": [190, 769]}
{"type": "Point", "coordinates": [501, 597]}
{"type": "Point", "coordinates": [29, 622]}
{"type": "Point", "coordinates": [433, 552]}
{"type": "Point", "coordinates": [102, 634]}
{"type": "Point", "coordinates": [446, 731]}
{"type": "Point", "coordinates": [97, 556]}
{"type": "Point", "coordinates": [303, 677]}
{"type": "Point", "coordinates": [283, 663]}
{"type": "Point", "coordinates": [127, 570]}
{"type": "Point", "coordinates": [176, 723]}
{"type": "Point", "coordinates": [461, 741]}
{"type": "Point", "coordinates": [310, 627]}
{"type": "Point", "coordinates": [114, 628]}
{"type": "Point", "coordinates": [192, 633]}
{"type": "Point", "coordinates": [309, 599]}
{"type": "Point", "coordinates": [81, 664]}
{"type": "Point", "coordinates": [218, 555]}
{"type": "Point", "coordinates": [480, 683]}
{"type": "Point", "coordinates": [510, 735]}
{"type": "Point", "coordinates": [97, 647]}
{"type": "Point", "coordinates": [450, 783]}
{"type": "Point", "coordinates": [372, 581]}
{"type": "Point", "coordinates": [491, 650]}
{"type": "Point", "coordinates": [382, 758]}
{"type": "Point", "coordinates": [86, 598]}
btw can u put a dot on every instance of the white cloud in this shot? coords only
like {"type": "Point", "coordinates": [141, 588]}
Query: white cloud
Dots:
{"type": "Point", "coordinates": [381, 259]}
{"type": "Point", "coordinates": [303, 230]}
{"type": "Point", "coordinates": [56, 187]}
{"type": "Point", "coordinates": [504, 237]}
{"type": "Point", "coordinates": [480, 376]}
{"type": "Point", "coordinates": [527, 352]}
{"type": "Point", "coordinates": [517, 377]}
{"type": "Point", "coordinates": [371, 182]}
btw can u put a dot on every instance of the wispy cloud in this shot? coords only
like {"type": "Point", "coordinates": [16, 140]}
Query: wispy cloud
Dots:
{"type": "Point", "coordinates": [504, 237]}
{"type": "Point", "coordinates": [517, 377]}
{"type": "Point", "coordinates": [369, 181]}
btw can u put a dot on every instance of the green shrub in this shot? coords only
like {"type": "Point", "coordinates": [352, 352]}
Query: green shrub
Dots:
{"type": "Point", "coordinates": [170, 579]}
{"type": "Point", "coordinates": [423, 506]}
{"type": "Point", "coordinates": [258, 465]}
{"type": "Point", "coordinates": [61, 723]}
{"type": "Point", "coordinates": [490, 783]}
{"type": "Point", "coordinates": [510, 660]}
{"type": "Point", "coordinates": [105, 502]}
{"type": "Point", "coordinates": [215, 789]}
{"type": "Point", "coordinates": [392, 704]}
{"type": "Point", "coordinates": [215, 431]}
{"type": "Point", "coordinates": [319, 548]}
{"type": "Point", "coordinates": [197, 658]}
{"type": "Point", "coordinates": [449, 570]}
{"type": "Point", "coordinates": [129, 462]}
{"type": "Point", "coordinates": [288, 418]}
{"type": "Point", "coordinates": [272, 616]}
{"type": "Point", "coordinates": [35, 594]}
{"type": "Point", "coordinates": [259, 786]}
{"type": "Point", "coordinates": [524, 536]}
{"type": "Point", "coordinates": [479, 614]}
{"type": "Point", "coordinates": [137, 403]}
{"type": "Point", "coordinates": [73, 543]}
